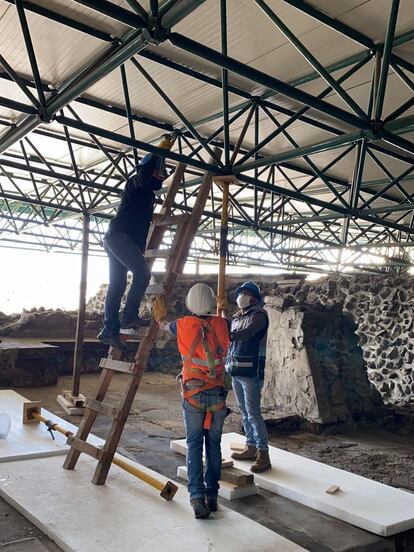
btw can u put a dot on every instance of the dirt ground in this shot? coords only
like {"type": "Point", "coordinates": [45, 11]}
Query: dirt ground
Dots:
{"type": "Point", "coordinates": [155, 419]}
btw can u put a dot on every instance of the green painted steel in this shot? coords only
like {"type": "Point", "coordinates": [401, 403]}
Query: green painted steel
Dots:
{"type": "Point", "coordinates": [272, 214]}
{"type": "Point", "coordinates": [386, 57]}
{"type": "Point", "coordinates": [259, 77]}
{"type": "Point", "coordinates": [325, 145]}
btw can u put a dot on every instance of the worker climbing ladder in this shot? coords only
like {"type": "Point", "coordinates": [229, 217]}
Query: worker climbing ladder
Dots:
{"type": "Point", "coordinates": [186, 228]}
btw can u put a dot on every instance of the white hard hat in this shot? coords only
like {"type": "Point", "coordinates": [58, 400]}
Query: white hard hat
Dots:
{"type": "Point", "coordinates": [200, 299]}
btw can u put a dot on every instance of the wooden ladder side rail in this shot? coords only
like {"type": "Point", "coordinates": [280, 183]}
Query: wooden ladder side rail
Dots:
{"type": "Point", "coordinates": [156, 233]}
{"type": "Point", "coordinates": [194, 221]}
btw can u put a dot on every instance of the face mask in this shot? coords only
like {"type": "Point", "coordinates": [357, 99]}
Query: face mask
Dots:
{"type": "Point", "coordinates": [155, 183]}
{"type": "Point", "coordinates": [243, 301]}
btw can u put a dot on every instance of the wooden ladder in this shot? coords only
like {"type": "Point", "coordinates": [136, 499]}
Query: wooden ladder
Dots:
{"type": "Point", "coordinates": [187, 226]}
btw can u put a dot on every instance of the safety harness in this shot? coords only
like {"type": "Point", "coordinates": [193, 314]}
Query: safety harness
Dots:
{"type": "Point", "coordinates": [209, 371]}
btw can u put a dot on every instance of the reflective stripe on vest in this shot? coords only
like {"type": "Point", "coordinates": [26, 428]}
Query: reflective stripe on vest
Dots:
{"type": "Point", "coordinates": [201, 361]}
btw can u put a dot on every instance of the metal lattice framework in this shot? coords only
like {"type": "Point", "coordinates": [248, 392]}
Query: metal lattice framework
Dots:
{"type": "Point", "coordinates": [302, 150]}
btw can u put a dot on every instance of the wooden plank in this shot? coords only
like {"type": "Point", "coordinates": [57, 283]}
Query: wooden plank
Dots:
{"type": "Point", "coordinates": [89, 417]}
{"type": "Point", "coordinates": [169, 220]}
{"type": "Point", "coordinates": [237, 447]}
{"type": "Point", "coordinates": [84, 446]}
{"type": "Point", "coordinates": [332, 489]}
{"type": "Point", "coordinates": [237, 477]}
{"type": "Point", "coordinates": [102, 408]}
{"type": "Point", "coordinates": [157, 253]}
{"type": "Point", "coordinates": [117, 365]}
{"type": "Point", "coordinates": [154, 289]}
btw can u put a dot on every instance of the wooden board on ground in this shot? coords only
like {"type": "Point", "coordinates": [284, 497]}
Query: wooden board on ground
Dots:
{"type": "Point", "coordinates": [237, 477]}
{"type": "Point", "coordinates": [372, 506]}
{"type": "Point", "coordinates": [227, 490]}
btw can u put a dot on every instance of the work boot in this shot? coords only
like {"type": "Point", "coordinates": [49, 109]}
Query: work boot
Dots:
{"type": "Point", "coordinates": [262, 462]}
{"type": "Point", "coordinates": [248, 453]}
{"type": "Point", "coordinates": [131, 328]}
{"type": "Point", "coordinates": [212, 503]}
{"type": "Point", "coordinates": [111, 340]}
{"type": "Point", "coordinates": [201, 511]}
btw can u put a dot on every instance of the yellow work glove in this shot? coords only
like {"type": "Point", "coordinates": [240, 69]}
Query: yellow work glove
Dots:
{"type": "Point", "coordinates": [159, 310]}
{"type": "Point", "coordinates": [166, 143]}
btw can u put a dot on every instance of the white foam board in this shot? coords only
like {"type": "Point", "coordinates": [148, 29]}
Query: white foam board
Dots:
{"type": "Point", "coordinates": [31, 440]}
{"type": "Point", "coordinates": [227, 490]}
{"type": "Point", "coordinates": [372, 506]}
{"type": "Point", "coordinates": [125, 514]}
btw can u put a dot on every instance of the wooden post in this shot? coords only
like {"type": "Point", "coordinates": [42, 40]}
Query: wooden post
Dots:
{"type": "Point", "coordinates": [71, 401]}
{"type": "Point", "coordinates": [80, 325]}
{"type": "Point", "coordinates": [224, 229]}
{"type": "Point", "coordinates": [224, 182]}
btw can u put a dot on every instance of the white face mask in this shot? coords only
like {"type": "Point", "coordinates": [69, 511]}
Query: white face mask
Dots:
{"type": "Point", "coordinates": [243, 301]}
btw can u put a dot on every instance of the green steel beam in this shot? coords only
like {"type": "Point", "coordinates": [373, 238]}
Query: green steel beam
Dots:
{"type": "Point", "coordinates": [268, 81]}
{"type": "Point", "coordinates": [319, 203]}
{"type": "Point", "coordinates": [386, 57]}
{"type": "Point", "coordinates": [115, 12]}
{"type": "Point", "coordinates": [310, 58]}
{"type": "Point", "coordinates": [325, 145]}
{"type": "Point", "coordinates": [178, 11]}
{"type": "Point", "coordinates": [335, 24]}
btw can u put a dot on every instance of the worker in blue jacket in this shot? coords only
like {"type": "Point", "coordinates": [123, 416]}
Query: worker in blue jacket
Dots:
{"type": "Point", "coordinates": [245, 362]}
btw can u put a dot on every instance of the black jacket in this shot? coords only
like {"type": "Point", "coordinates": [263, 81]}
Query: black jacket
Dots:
{"type": "Point", "coordinates": [246, 355]}
{"type": "Point", "coordinates": [137, 204]}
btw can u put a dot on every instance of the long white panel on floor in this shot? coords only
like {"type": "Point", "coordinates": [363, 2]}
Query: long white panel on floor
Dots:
{"type": "Point", "coordinates": [31, 440]}
{"type": "Point", "coordinates": [125, 514]}
{"type": "Point", "coordinates": [360, 501]}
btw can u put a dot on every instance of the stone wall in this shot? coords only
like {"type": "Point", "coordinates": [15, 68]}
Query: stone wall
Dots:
{"type": "Point", "coordinates": [314, 366]}
{"type": "Point", "coordinates": [381, 308]}
{"type": "Point", "coordinates": [164, 355]}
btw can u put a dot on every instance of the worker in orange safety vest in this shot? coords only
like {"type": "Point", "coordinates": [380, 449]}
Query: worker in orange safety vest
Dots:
{"type": "Point", "coordinates": [203, 341]}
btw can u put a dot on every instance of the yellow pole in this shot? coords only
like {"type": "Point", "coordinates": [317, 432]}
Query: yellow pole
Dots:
{"type": "Point", "coordinates": [224, 228]}
{"type": "Point", "coordinates": [167, 490]}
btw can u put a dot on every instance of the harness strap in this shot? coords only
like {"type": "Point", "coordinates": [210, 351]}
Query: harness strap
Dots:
{"type": "Point", "coordinates": [209, 410]}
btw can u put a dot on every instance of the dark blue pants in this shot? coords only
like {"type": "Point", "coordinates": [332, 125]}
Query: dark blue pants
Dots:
{"type": "Point", "coordinates": [207, 485]}
{"type": "Point", "coordinates": [124, 255]}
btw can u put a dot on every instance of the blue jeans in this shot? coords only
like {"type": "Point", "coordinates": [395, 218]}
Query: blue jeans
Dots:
{"type": "Point", "coordinates": [248, 392]}
{"type": "Point", "coordinates": [124, 255]}
{"type": "Point", "coordinates": [199, 487]}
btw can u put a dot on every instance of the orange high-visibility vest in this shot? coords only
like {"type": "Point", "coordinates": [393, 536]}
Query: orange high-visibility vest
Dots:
{"type": "Point", "coordinates": [203, 344]}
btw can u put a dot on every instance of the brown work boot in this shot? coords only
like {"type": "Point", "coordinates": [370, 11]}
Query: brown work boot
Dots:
{"type": "Point", "coordinates": [262, 462]}
{"type": "Point", "coordinates": [248, 453]}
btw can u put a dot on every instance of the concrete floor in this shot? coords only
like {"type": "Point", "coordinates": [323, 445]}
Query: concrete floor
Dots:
{"type": "Point", "coordinates": [155, 419]}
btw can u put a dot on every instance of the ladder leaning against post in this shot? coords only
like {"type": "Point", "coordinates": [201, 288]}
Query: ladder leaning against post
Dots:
{"type": "Point", "coordinates": [187, 226]}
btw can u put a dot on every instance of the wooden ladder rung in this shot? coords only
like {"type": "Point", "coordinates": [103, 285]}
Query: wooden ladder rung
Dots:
{"type": "Point", "coordinates": [156, 253]}
{"type": "Point", "coordinates": [117, 365]}
{"type": "Point", "coordinates": [84, 446]}
{"type": "Point", "coordinates": [169, 220]}
{"type": "Point", "coordinates": [155, 289]}
{"type": "Point", "coordinates": [103, 408]}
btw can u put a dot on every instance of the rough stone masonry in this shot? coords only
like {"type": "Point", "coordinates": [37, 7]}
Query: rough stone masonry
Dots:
{"type": "Point", "coordinates": [380, 308]}
{"type": "Point", "coordinates": [348, 329]}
